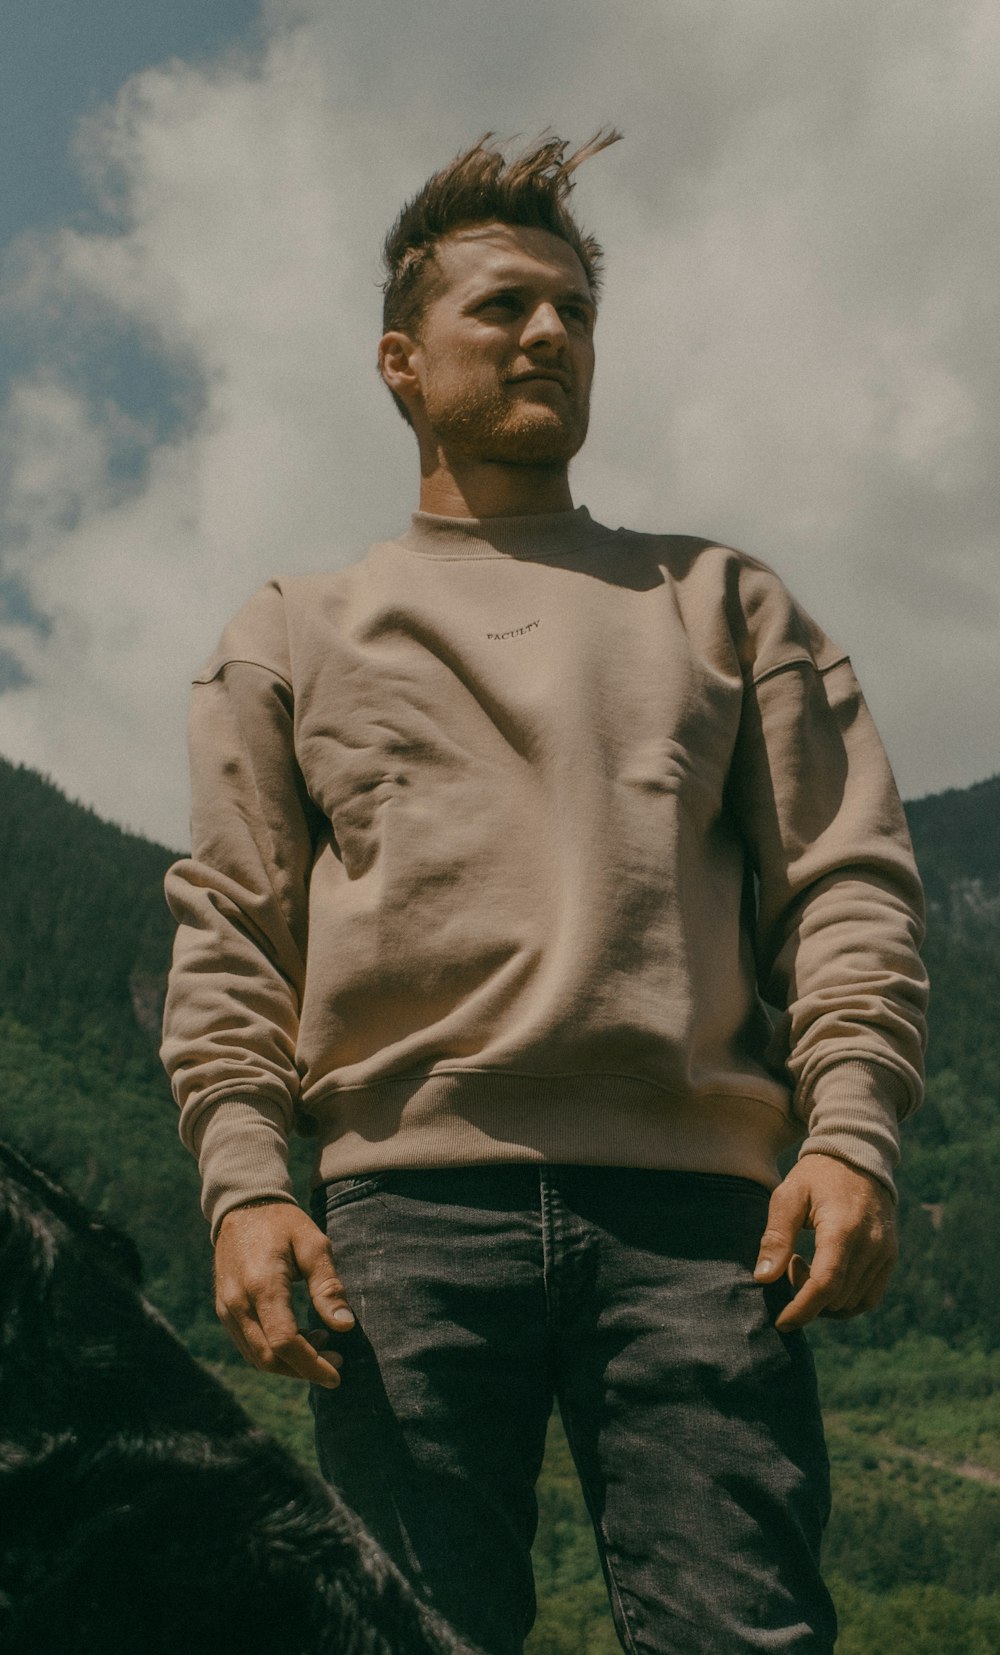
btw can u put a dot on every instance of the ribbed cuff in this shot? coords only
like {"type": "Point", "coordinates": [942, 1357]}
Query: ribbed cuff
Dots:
{"type": "Point", "coordinates": [854, 1115]}
{"type": "Point", "coordinates": [242, 1154]}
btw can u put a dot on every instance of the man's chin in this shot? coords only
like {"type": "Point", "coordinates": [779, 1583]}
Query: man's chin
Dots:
{"type": "Point", "coordinates": [543, 442]}
{"type": "Point", "coordinates": [531, 434]}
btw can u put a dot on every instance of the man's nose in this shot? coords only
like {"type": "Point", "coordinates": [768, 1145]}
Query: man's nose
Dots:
{"type": "Point", "coordinates": [544, 327]}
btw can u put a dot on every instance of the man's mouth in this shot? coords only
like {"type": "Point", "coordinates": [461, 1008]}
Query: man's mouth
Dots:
{"type": "Point", "coordinates": [541, 374]}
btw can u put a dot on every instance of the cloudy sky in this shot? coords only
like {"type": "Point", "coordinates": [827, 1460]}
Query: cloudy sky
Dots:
{"type": "Point", "coordinates": [798, 353]}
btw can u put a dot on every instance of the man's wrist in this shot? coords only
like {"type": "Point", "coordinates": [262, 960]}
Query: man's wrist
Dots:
{"type": "Point", "coordinates": [876, 1172]}
{"type": "Point", "coordinates": [245, 1205]}
{"type": "Point", "coordinates": [259, 1201]}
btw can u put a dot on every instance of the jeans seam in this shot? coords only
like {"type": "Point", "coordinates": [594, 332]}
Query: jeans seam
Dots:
{"type": "Point", "coordinates": [549, 1273]}
{"type": "Point", "coordinates": [622, 1618]}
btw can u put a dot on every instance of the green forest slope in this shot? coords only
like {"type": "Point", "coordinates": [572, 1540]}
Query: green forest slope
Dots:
{"type": "Point", "coordinates": [911, 1392]}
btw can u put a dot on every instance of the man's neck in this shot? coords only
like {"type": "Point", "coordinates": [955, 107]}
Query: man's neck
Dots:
{"type": "Point", "coordinates": [487, 490]}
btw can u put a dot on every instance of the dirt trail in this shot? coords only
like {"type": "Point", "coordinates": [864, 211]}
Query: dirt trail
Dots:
{"type": "Point", "coordinates": [888, 1448]}
{"type": "Point", "coordinates": [965, 1468]}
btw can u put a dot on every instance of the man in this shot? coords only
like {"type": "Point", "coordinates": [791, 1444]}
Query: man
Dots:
{"type": "Point", "coordinates": [501, 837]}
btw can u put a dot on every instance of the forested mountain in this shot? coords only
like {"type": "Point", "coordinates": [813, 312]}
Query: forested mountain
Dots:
{"type": "Point", "coordinates": [950, 1179]}
{"type": "Point", "coordinates": [83, 925]}
{"type": "Point", "coordinates": [85, 940]}
{"type": "Point", "coordinates": [84, 946]}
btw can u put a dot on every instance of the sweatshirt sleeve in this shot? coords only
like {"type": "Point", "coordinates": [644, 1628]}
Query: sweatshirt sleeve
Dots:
{"type": "Point", "coordinates": [840, 908]}
{"type": "Point", "coordinates": [240, 902]}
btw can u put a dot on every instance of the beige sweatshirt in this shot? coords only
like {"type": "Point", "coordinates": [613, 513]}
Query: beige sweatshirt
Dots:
{"type": "Point", "coordinates": [502, 836]}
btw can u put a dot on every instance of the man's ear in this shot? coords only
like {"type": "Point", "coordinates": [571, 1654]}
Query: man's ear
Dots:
{"type": "Point", "coordinates": [396, 365]}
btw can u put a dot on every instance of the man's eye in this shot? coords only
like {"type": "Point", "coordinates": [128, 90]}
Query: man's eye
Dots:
{"type": "Point", "coordinates": [502, 301]}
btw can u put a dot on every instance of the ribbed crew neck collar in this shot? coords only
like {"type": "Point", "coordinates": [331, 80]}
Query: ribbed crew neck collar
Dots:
{"type": "Point", "coordinates": [543, 534]}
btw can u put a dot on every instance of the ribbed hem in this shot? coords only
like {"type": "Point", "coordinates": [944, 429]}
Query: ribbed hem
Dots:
{"type": "Point", "coordinates": [475, 1118]}
{"type": "Point", "coordinates": [242, 1156]}
{"type": "Point", "coordinates": [478, 1117]}
{"type": "Point", "coordinates": [854, 1116]}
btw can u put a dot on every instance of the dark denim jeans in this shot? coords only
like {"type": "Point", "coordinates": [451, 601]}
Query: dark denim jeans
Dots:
{"type": "Point", "coordinates": [483, 1292]}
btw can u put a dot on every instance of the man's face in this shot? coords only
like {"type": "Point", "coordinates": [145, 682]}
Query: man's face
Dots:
{"type": "Point", "coordinates": [504, 354]}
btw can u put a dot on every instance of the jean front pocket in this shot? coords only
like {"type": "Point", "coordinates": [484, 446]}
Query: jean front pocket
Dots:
{"type": "Point", "coordinates": [340, 1192]}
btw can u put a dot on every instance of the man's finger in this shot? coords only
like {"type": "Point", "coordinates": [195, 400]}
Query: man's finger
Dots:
{"type": "Point", "coordinates": [250, 1341]}
{"type": "Point", "coordinates": [831, 1284]}
{"type": "Point", "coordinates": [805, 1307]}
{"type": "Point", "coordinates": [256, 1352]}
{"type": "Point", "coordinates": [797, 1272]}
{"type": "Point", "coordinates": [868, 1295]}
{"type": "Point", "coordinates": [235, 1332]}
{"type": "Point", "coordinates": [875, 1291]}
{"type": "Point", "coordinates": [288, 1349]}
{"type": "Point", "coordinates": [786, 1215]}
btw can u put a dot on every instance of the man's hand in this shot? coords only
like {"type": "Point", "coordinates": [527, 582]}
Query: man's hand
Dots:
{"type": "Point", "coordinates": [259, 1252]}
{"type": "Point", "coordinates": [854, 1218]}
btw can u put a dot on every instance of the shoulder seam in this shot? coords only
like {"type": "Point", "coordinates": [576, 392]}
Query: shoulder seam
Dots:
{"type": "Point", "coordinates": [242, 661]}
{"type": "Point", "coordinates": [798, 661]}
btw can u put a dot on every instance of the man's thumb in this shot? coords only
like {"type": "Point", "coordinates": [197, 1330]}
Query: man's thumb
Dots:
{"type": "Point", "coordinates": [326, 1291]}
{"type": "Point", "coordinates": [784, 1220]}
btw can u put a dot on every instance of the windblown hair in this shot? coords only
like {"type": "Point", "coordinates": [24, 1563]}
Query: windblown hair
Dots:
{"type": "Point", "coordinates": [478, 186]}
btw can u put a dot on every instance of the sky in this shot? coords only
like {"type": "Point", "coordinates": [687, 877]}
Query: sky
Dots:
{"type": "Point", "coordinates": [798, 348]}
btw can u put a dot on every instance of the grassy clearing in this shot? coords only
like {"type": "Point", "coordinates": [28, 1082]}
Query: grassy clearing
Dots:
{"type": "Point", "coordinates": [922, 1396]}
{"type": "Point", "coordinates": [920, 1620]}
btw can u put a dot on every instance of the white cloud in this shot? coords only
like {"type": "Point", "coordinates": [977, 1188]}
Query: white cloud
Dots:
{"type": "Point", "coordinates": [797, 350]}
{"type": "Point", "coordinates": [236, 256]}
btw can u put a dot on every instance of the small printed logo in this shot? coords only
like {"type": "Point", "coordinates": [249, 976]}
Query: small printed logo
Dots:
{"type": "Point", "coordinates": [515, 631]}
